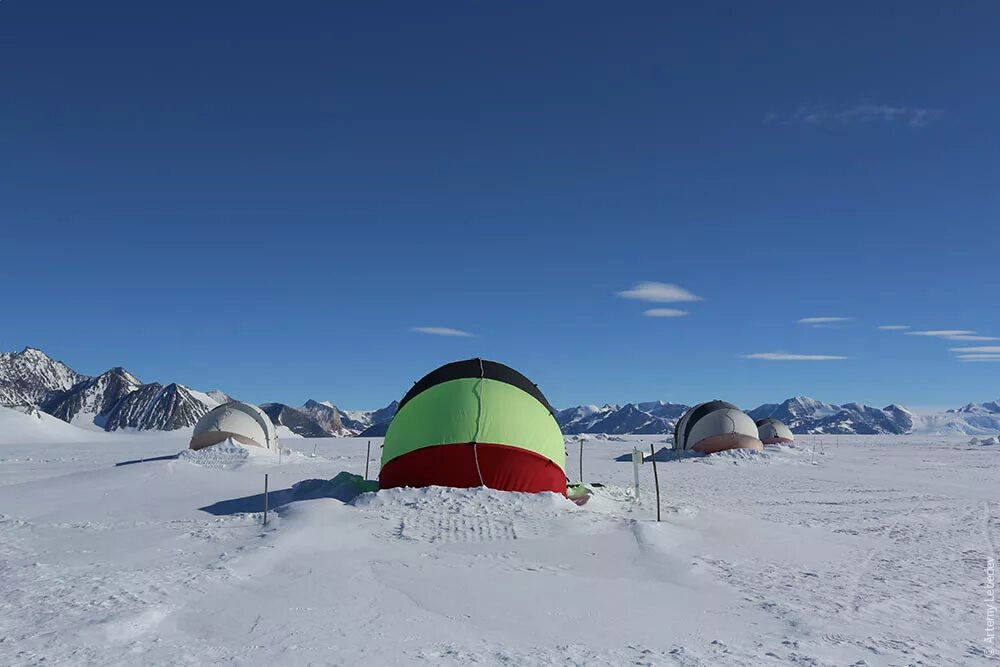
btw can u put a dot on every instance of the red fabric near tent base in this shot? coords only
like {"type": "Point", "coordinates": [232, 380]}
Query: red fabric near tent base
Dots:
{"type": "Point", "coordinates": [504, 468]}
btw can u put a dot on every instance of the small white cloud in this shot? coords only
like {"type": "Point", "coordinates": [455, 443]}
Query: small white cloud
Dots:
{"type": "Point", "coordinates": [978, 357]}
{"type": "Point", "coordinates": [864, 113]}
{"type": "Point", "coordinates": [823, 321]}
{"type": "Point", "coordinates": [441, 331]}
{"type": "Point", "coordinates": [665, 312]}
{"type": "Point", "coordinates": [658, 292]}
{"type": "Point", "coordinates": [977, 349]}
{"type": "Point", "coordinates": [884, 113]}
{"type": "Point", "coordinates": [893, 327]}
{"type": "Point", "coordinates": [953, 334]}
{"type": "Point", "coordinates": [973, 338]}
{"type": "Point", "coordinates": [941, 333]}
{"type": "Point", "coordinates": [784, 356]}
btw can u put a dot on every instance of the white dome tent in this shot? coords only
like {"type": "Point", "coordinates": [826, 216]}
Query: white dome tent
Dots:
{"type": "Point", "coordinates": [773, 432]}
{"type": "Point", "coordinates": [246, 424]}
{"type": "Point", "coordinates": [716, 426]}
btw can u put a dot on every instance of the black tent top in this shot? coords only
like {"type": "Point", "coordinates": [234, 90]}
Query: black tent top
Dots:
{"type": "Point", "coordinates": [476, 368]}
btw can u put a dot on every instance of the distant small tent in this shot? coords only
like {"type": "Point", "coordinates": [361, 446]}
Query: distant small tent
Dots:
{"type": "Point", "coordinates": [474, 423]}
{"type": "Point", "coordinates": [246, 424]}
{"type": "Point", "coordinates": [770, 431]}
{"type": "Point", "coordinates": [716, 426]}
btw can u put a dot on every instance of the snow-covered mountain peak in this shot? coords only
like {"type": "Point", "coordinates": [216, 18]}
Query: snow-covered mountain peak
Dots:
{"type": "Point", "coordinates": [219, 397]}
{"type": "Point", "coordinates": [327, 415]}
{"type": "Point", "coordinates": [804, 402]}
{"type": "Point", "coordinates": [31, 376]}
{"type": "Point", "coordinates": [991, 407]}
{"type": "Point", "coordinates": [122, 374]}
{"type": "Point", "coordinates": [157, 407]}
{"type": "Point", "coordinates": [89, 401]}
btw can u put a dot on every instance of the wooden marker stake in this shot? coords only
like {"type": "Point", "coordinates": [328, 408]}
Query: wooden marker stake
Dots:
{"type": "Point", "coordinates": [656, 478]}
{"type": "Point", "coordinates": [368, 457]}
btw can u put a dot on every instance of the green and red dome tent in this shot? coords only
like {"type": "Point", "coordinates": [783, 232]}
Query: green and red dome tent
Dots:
{"type": "Point", "coordinates": [474, 423]}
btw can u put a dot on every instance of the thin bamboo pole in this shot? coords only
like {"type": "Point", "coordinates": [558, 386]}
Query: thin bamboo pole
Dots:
{"type": "Point", "coordinates": [656, 478]}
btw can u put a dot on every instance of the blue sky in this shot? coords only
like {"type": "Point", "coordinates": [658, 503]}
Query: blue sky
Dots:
{"type": "Point", "coordinates": [269, 197]}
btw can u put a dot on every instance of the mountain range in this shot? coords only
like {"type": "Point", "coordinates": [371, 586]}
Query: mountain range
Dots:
{"type": "Point", "coordinates": [117, 400]}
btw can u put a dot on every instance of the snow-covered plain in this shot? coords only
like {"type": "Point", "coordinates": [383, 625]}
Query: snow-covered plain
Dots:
{"type": "Point", "coordinates": [870, 551]}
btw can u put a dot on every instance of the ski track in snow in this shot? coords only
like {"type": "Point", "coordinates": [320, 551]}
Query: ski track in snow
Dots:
{"type": "Point", "coordinates": [987, 520]}
{"type": "Point", "coordinates": [865, 569]}
{"type": "Point", "coordinates": [874, 555]}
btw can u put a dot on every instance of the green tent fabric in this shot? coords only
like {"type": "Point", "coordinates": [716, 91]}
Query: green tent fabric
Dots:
{"type": "Point", "coordinates": [472, 423]}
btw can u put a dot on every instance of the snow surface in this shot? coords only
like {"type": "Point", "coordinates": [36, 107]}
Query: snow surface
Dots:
{"type": "Point", "coordinates": [285, 433]}
{"type": "Point", "coordinates": [848, 551]}
{"type": "Point", "coordinates": [30, 425]}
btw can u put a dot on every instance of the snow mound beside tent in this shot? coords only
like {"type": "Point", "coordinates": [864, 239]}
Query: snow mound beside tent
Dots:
{"type": "Point", "coordinates": [736, 456]}
{"type": "Point", "coordinates": [229, 454]}
{"type": "Point", "coordinates": [224, 456]}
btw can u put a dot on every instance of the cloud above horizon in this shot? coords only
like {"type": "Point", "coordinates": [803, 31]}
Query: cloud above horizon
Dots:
{"type": "Point", "coordinates": [894, 327]}
{"type": "Point", "coordinates": [941, 333]}
{"type": "Point", "coordinates": [863, 113]}
{"type": "Point", "coordinates": [665, 312]}
{"type": "Point", "coordinates": [784, 356]}
{"type": "Point", "coordinates": [976, 349]}
{"type": "Point", "coordinates": [648, 290]}
{"type": "Point", "coordinates": [978, 357]}
{"type": "Point", "coordinates": [823, 321]}
{"type": "Point", "coordinates": [974, 338]}
{"type": "Point", "coordinates": [952, 334]}
{"type": "Point", "coordinates": [442, 331]}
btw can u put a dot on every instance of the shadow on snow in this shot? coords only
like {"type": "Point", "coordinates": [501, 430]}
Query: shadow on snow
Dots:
{"type": "Point", "coordinates": [345, 487]}
{"type": "Point", "coordinates": [663, 454]}
{"type": "Point", "coordinates": [167, 457]}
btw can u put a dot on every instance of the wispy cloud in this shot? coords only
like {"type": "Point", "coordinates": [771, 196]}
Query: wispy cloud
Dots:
{"type": "Point", "coordinates": [941, 333]}
{"type": "Point", "coordinates": [953, 334]}
{"type": "Point", "coordinates": [784, 356]}
{"type": "Point", "coordinates": [442, 331]}
{"type": "Point", "coordinates": [823, 321]}
{"type": "Point", "coordinates": [870, 113]}
{"type": "Point", "coordinates": [978, 357]}
{"type": "Point", "coordinates": [665, 312]}
{"type": "Point", "coordinates": [863, 113]}
{"type": "Point", "coordinates": [658, 292]}
{"type": "Point", "coordinates": [973, 338]}
{"type": "Point", "coordinates": [894, 327]}
{"type": "Point", "coordinates": [976, 349]}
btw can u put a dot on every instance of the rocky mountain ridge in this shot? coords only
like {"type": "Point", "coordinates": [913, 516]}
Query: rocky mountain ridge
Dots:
{"type": "Point", "coordinates": [117, 400]}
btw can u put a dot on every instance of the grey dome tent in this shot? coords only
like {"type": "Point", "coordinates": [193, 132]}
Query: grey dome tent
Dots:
{"type": "Point", "coordinates": [246, 424]}
{"type": "Point", "coordinates": [773, 432]}
{"type": "Point", "coordinates": [716, 426]}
